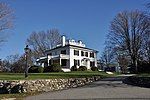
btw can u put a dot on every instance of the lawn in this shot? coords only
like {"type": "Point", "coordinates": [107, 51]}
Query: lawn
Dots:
{"type": "Point", "coordinates": [32, 76]}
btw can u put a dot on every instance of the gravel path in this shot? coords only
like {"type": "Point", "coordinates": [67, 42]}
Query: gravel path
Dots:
{"type": "Point", "coordinates": [109, 88]}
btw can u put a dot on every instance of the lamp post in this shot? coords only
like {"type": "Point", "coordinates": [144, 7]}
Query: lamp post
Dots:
{"type": "Point", "coordinates": [27, 50]}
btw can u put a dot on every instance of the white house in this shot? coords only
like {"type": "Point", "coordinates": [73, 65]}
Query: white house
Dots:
{"type": "Point", "coordinates": [70, 53]}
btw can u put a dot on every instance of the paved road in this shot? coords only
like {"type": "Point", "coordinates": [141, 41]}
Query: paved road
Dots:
{"type": "Point", "coordinates": [109, 88]}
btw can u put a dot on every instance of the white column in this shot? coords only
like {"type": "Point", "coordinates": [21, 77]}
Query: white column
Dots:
{"type": "Point", "coordinates": [60, 61]}
{"type": "Point", "coordinates": [88, 64]}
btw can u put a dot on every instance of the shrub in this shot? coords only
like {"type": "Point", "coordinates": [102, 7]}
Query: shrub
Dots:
{"type": "Point", "coordinates": [40, 69]}
{"type": "Point", "coordinates": [33, 69]}
{"type": "Point", "coordinates": [56, 68]}
{"type": "Point", "coordinates": [74, 68]}
{"type": "Point", "coordinates": [36, 69]}
{"type": "Point", "coordinates": [53, 68]}
{"type": "Point", "coordinates": [94, 68]}
{"type": "Point", "coordinates": [47, 69]}
{"type": "Point", "coordinates": [144, 67]}
{"type": "Point", "coordinates": [82, 68]}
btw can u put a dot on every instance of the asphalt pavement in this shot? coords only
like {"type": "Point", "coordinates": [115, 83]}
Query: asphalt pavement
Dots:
{"type": "Point", "coordinates": [105, 89]}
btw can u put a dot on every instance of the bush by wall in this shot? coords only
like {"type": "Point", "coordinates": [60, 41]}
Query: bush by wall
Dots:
{"type": "Point", "coordinates": [73, 68]}
{"type": "Point", "coordinates": [82, 68]}
{"type": "Point", "coordinates": [55, 68]}
{"type": "Point", "coordinates": [33, 69]}
{"type": "Point", "coordinates": [40, 69]}
{"type": "Point", "coordinates": [47, 69]}
{"type": "Point", "coordinates": [94, 68]}
{"type": "Point", "coordinates": [36, 69]}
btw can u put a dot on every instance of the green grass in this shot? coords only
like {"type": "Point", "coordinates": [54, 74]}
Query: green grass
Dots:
{"type": "Point", "coordinates": [32, 76]}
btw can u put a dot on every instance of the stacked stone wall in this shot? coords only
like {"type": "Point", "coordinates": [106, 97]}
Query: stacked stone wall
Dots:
{"type": "Point", "coordinates": [43, 85]}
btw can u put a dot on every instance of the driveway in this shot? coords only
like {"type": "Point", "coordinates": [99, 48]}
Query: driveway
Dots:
{"type": "Point", "coordinates": [109, 88]}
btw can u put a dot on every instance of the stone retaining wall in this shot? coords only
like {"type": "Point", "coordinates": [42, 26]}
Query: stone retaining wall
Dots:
{"type": "Point", "coordinates": [44, 85]}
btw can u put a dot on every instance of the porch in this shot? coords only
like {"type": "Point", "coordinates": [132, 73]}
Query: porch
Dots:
{"type": "Point", "coordinates": [64, 63]}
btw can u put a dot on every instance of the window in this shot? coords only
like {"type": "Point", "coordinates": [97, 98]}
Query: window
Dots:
{"type": "Point", "coordinates": [86, 54]}
{"type": "Point", "coordinates": [82, 53]}
{"type": "Point", "coordinates": [92, 54]}
{"type": "Point", "coordinates": [56, 61]}
{"type": "Point", "coordinates": [92, 63]}
{"type": "Point", "coordinates": [76, 52]}
{"type": "Point", "coordinates": [63, 62]}
{"type": "Point", "coordinates": [63, 51]}
{"type": "Point", "coordinates": [76, 62]}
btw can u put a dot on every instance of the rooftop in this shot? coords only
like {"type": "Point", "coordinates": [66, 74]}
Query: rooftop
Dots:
{"type": "Point", "coordinates": [72, 43]}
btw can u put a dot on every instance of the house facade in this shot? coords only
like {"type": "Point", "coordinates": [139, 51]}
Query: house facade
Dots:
{"type": "Point", "coordinates": [71, 53]}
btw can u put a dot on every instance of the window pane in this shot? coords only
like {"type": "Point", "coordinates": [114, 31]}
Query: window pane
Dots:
{"type": "Point", "coordinates": [92, 54]}
{"type": "Point", "coordinates": [92, 63]}
{"type": "Point", "coordinates": [63, 62]}
{"type": "Point", "coordinates": [86, 54]}
{"type": "Point", "coordinates": [76, 52]}
{"type": "Point", "coordinates": [76, 62]}
{"type": "Point", "coordinates": [82, 53]}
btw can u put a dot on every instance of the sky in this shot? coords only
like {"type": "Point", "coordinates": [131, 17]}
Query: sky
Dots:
{"type": "Point", "coordinates": [86, 20]}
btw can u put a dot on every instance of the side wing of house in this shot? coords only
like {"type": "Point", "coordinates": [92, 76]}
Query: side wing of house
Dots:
{"type": "Point", "coordinates": [59, 56]}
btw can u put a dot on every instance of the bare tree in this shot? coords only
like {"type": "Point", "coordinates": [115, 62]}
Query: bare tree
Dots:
{"type": "Point", "coordinates": [146, 40]}
{"type": "Point", "coordinates": [14, 63]}
{"type": "Point", "coordinates": [148, 5]}
{"type": "Point", "coordinates": [5, 66]}
{"type": "Point", "coordinates": [41, 41]}
{"type": "Point", "coordinates": [6, 19]}
{"type": "Point", "coordinates": [107, 56]}
{"type": "Point", "coordinates": [146, 47]}
{"type": "Point", "coordinates": [19, 65]}
{"type": "Point", "coordinates": [127, 30]}
{"type": "Point", "coordinates": [123, 61]}
{"type": "Point", "coordinates": [53, 37]}
{"type": "Point", "coordinates": [7, 63]}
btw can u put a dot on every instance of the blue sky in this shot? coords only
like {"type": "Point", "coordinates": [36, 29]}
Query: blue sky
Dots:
{"type": "Point", "coordinates": [87, 20]}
